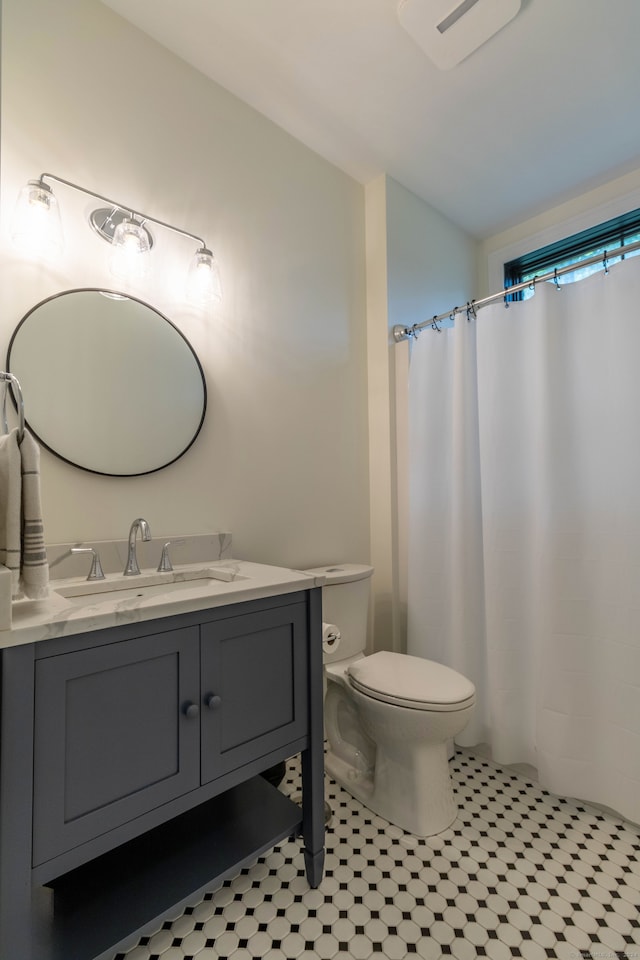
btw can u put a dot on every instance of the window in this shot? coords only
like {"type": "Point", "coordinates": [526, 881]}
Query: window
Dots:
{"type": "Point", "coordinates": [614, 233]}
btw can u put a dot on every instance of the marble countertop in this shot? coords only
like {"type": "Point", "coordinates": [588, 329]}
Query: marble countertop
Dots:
{"type": "Point", "coordinates": [152, 595]}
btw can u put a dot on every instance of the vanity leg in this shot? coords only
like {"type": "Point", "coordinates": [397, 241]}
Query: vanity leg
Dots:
{"type": "Point", "coordinates": [312, 819]}
{"type": "Point", "coordinates": [313, 756]}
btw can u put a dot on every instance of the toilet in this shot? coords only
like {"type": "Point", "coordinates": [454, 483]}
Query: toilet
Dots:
{"type": "Point", "coordinates": [388, 716]}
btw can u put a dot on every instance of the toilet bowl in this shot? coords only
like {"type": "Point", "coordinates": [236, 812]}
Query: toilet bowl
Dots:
{"type": "Point", "coordinates": [389, 717]}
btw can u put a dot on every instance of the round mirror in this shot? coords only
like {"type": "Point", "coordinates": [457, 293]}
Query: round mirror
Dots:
{"type": "Point", "coordinates": [109, 384]}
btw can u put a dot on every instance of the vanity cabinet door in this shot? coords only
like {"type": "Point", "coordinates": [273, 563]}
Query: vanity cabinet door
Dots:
{"type": "Point", "coordinates": [254, 676]}
{"type": "Point", "coordinates": [116, 735]}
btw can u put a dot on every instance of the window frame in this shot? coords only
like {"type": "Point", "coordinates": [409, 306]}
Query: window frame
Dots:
{"type": "Point", "coordinates": [608, 235]}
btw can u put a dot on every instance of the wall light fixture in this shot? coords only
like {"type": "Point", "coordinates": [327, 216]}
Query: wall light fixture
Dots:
{"type": "Point", "coordinates": [37, 230]}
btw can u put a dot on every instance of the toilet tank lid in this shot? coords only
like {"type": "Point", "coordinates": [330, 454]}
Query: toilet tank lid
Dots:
{"type": "Point", "coordinates": [342, 572]}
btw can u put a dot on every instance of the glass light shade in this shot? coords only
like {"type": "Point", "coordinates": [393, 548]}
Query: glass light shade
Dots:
{"type": "Point", "coordinates": [203, 281]}
{"type": "Point", "coordinates": [36, 228]}
{"type": "Point", "coordinates": [130, 245]}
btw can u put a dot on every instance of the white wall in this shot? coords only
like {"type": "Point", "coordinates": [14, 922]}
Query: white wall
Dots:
{"type": "Point", "coordinates": [282, 460]}
{"type": "Point", "coordinates": [418, 264]}
{"type": "Point", "coordinates": [432, 261]}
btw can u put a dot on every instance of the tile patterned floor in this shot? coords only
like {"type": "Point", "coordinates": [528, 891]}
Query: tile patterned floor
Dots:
{"type": "Point", "coordinates": [521, 873]}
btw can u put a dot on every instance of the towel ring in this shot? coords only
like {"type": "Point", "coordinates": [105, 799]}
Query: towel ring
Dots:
{"type": "Point", "coordinates": [18, 400]}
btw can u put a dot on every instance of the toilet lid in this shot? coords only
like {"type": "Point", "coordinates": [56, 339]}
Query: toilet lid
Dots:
{"type": "Point", "coordinates": [411, 682]}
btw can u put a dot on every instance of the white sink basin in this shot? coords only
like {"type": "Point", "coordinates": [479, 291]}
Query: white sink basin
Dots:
{"type": "Point", "coordinates": [116, 587]}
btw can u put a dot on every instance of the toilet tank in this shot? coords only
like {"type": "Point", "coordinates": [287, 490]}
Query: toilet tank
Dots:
{"type": "Point", "coordinates": [345, 603]}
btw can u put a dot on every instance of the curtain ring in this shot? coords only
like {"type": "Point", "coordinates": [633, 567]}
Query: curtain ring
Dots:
{"type": "Point", "coordinates": [434, 323]}
{"type": "Point", "coordinates": [605, 263]}
{"type": "Point", "coordinates": [555, 278]}
{"type": "Point", "coordinates": [471, 311]}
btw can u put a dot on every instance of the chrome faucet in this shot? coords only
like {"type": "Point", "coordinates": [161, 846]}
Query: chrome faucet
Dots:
{"type": "Point", "coordinates": [132, 567]}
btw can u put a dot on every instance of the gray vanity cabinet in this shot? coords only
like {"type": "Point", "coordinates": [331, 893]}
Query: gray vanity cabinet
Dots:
{"type": "Point", "coordinates": [130, 768]}
{"type": "Point", "coordinates": [125, 727]}
{"type": "Point", "coordinates": [113, 736]}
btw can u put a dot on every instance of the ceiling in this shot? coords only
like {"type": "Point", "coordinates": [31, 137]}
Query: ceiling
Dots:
{"type": "Point", "coordinates": [544, 110]}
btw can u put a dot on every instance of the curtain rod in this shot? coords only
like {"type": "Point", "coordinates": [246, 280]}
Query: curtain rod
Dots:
{"type": "Point", "coordinates": [406, 333]}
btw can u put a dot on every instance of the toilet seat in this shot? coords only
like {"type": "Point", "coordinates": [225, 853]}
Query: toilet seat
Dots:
{"type": "Point", "coordinates": [412, 682]}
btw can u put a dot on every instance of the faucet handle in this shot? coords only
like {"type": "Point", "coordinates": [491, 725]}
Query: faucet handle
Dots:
{"type": "Point", "coordinates": [165, 565]}
{"type": "Point", "coordinates": [96, 572]}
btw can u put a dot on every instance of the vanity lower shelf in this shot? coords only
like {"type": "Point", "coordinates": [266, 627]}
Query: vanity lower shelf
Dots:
{"type": "Point", "coordinates": [93, 909]}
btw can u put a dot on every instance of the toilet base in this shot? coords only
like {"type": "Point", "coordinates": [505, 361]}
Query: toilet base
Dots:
{"type": "Point", "coordinates": [418, 797]}
{"type": "Point", "coordinates": [392, 758]}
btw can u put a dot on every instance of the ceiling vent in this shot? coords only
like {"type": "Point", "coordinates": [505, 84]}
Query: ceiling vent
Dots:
{"type": "Point", "coordinates": [448, 31]}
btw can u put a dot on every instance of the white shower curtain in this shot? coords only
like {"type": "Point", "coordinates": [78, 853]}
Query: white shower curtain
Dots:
{"type": "Point", "coordinates": [524, 543]}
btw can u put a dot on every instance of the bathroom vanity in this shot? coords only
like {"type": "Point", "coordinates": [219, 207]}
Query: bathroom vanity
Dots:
{"type": "Point", "coordinates": [134, 731]}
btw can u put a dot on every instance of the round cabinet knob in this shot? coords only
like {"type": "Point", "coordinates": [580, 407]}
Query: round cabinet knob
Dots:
{"type": "Point", "coordinates": [191, 710]}
{"type": "Point", "coordinates": [213, 701]}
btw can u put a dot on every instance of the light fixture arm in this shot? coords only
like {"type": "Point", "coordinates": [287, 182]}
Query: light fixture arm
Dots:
{"type": "Point", "coordinates": [122, 206]}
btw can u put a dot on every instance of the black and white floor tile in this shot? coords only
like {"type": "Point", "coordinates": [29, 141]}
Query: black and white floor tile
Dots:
{"type": "Point", "coordinates": [521, 873]}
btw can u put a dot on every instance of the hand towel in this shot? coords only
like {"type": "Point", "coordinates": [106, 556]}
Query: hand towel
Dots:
{"type": "Point", "coordinates": [22, 547]}
{"type": "Point", "coordinates": [10, 507]}
{"type": "Point", "coordinates": [34, 569]}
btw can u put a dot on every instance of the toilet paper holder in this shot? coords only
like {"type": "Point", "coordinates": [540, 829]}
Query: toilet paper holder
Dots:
{"type": "Point", "coordinates": [330, 637]}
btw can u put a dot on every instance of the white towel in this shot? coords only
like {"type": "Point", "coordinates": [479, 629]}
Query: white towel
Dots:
{"type": "Point", "coordinates": [22, 547]}
{"type": "Point", "coordinates": [34, 569]}
{"type": "Point", "coordinates": [10, 507]}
